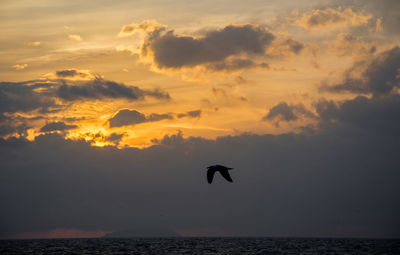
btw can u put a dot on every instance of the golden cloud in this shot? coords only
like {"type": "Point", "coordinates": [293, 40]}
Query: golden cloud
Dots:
{"type": "Point", "coordinates": [378, 25]}
{"type": "Point", "coordinates": [75, 37]}
{"type": "Point", "coordinates": [35, 44]}
{"type": "Point", "coordinates": [350, 45]}
{"type": "Point", "coordinates": [322, 19]}
{"type": "Point", "coordinates": [147, 26]}
{"type": "Point", "coordinates": [20, 66]}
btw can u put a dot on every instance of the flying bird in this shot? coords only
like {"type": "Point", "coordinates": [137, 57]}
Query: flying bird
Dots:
{"type": "Point", "coordinates": [218, 168]}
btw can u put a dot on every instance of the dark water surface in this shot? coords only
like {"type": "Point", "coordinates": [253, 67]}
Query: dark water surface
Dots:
{"type": "Point", "coordinates": [201, 246]}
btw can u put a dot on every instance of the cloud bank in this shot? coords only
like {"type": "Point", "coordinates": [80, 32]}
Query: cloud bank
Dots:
{"type": "Point", "coordinates": [341, 182]}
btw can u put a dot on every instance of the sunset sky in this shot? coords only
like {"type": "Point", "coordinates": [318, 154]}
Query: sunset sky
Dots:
{"type": "Point", "coordinates": [110, 112]}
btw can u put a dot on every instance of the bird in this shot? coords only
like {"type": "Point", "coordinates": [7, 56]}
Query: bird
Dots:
{"type": "Point", "coordinates": [218, 168]}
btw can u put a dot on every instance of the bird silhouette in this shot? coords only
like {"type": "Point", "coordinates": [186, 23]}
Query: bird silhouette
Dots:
{"type": "Point", "coordinates": [218, 168]}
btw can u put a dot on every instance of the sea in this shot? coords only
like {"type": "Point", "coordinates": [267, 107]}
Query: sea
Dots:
{"type": "Point", "coordinates": [300, 246]}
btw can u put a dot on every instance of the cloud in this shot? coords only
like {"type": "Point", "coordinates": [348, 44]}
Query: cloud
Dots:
{"type": "Point", "coordinates": [388, 11]}
{"type": "Point", "coordinates": [127, 117]}
{"type": "Point", "coordinates": [20, 66]}
{"type": "Point", "coordinates": [75, 37]}
{"type": "Point", "coordinates": [176, 51]}
{"type": "Point", "coordinates": [74, 74]}
{"type": "Point", "coordinates": [158, 117]}
{"type": "Point", "coordinates": [235, 64]}
{"type": "Point", "coordinates": [68, 73]}
{"type": "Point", "coordinates": [41, 95]}
{"type": "Point", "coordinates": [100, 89]}
{"type": "Point", "coordinates": [57, 126]}
{"type": "Point", "coordinates": [329, 17]}
{"type": "Point", "coordinates": [191, 114]}
{"type": "Point", "coordinates": [294, 46]}
{"type": "Point", "coordinates": [350, 45]}
{"type": "Point", "coordinates": [115, 138]}
{"type": "Point", "coordinates": [147, 26]}
{"type": "Point", "coordinates": [35, 43]}
{"type": "Point", "coordinates": [231, 48]}
{"type": "Point", "coordinates": [24, 97]}
{"type": "Point", "coordinates": [285, 112]}
{"type": "Point", "coordinates": [11, 125]}
{"type": "Point", "coordinates": [378, 25]}
{"type": "Point", "coordinates": [241, 80]}
{"type": "Point", "coordinates": [22, 102]}
{"type": "Point", "coordinates": [130, 49]}
{"type": "Point", "coordinates": [379, 76]}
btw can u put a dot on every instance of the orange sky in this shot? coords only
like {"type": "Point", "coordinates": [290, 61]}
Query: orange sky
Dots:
{"type": "Point", "coordinates": [271, 53]}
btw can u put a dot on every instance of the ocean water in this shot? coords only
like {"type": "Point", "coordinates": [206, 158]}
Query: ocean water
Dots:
{"type": "Point", "coordinates": [201, 246]}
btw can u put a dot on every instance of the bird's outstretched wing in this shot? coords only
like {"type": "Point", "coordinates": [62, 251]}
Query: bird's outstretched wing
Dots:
{"type": "Point", "coordinates": [226, 175]}
{"type": "Point", "coordinates": [210, 175]}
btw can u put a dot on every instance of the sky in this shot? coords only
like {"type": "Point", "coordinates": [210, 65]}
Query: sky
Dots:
{"type": "Point", "coordinates": [110, 112]}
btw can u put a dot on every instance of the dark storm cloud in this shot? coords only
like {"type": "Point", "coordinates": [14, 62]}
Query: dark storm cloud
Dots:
{"type": "Point", "coordinates": [127, 117]}
{"type": "Point", "coordinates": [339, 182]}
{"type": "Point", "coordinates": [99, 89]}
{"type": "Point", "coordinates": [285, 112]}
{"type": "Point", "coordinates": [380, 77]}
{"type": "Point", "coordinates": [176, 51]}
{"type": "Point", "coordinates": [57, 126]}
